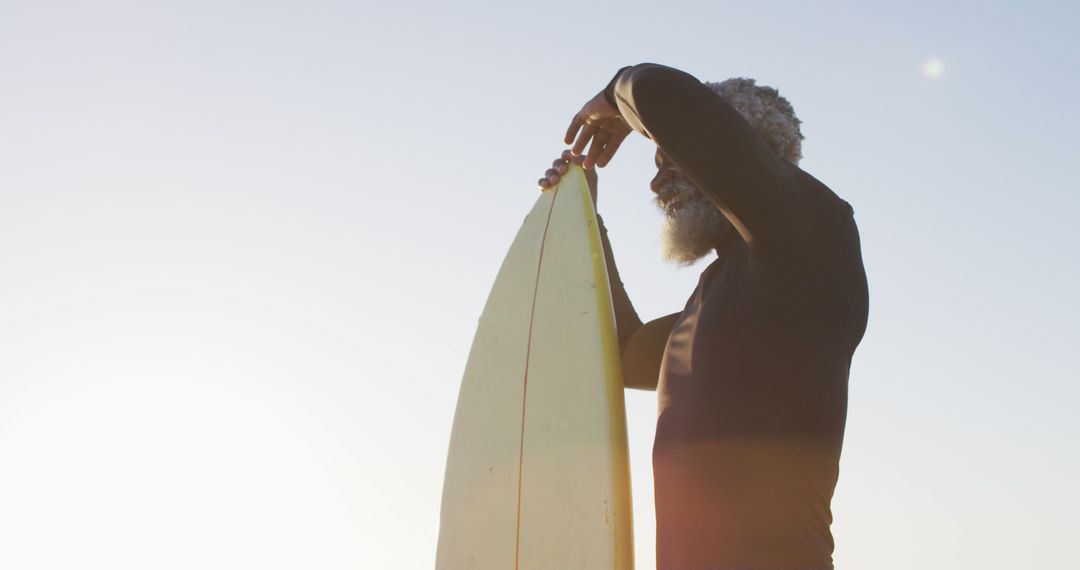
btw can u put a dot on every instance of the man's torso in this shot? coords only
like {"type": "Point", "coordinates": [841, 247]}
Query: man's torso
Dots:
{"type": "Point", "coordinates": [752, 403]}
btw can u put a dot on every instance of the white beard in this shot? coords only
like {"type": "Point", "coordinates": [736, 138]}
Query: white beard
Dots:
{"type": "Point", "coordinates": [693, 227]}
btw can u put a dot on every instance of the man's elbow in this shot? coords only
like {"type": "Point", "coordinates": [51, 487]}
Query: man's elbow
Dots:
{"type": "Point", "coordinates": [634, 379]}
{"type": "Point", "coordinates": [643, 354]}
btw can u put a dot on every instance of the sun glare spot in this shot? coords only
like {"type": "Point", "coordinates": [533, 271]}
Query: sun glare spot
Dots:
{"type": "Point", "coordinates": [933, 68]}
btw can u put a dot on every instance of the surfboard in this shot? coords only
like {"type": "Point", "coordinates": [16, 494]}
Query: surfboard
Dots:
{"type": "Point", "coordinates": [537, 474]}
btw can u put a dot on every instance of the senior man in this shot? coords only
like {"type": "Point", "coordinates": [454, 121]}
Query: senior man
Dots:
{"type": "Point", "coordinates": [751, 376]}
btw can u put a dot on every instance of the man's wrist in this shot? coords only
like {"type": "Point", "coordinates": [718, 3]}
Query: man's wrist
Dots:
{"type": "Point", "coordinates": [609, 91]}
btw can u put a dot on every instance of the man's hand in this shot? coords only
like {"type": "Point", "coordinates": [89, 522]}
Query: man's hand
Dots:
{"type": "Point", "coordinates": [561, 165]}
{"type": "Point", "coordinates": [599, 122]}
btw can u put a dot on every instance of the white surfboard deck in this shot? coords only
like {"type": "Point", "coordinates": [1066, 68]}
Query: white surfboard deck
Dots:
{"type": "Point", "coordinates": [537, 476]}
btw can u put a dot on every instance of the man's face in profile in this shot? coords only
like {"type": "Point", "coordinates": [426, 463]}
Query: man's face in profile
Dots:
{"type": "Point", "coordinates": [693, 225]}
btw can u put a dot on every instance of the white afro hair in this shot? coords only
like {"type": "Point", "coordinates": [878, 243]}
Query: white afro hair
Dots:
{"type": "Point", "coordinates": [771, 115]}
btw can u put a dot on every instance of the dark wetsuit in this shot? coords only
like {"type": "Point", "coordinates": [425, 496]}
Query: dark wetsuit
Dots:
{"type": "Point", "coordinates": [752, 387]}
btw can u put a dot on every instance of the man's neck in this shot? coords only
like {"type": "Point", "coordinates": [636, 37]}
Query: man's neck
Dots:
{"type": "Point", "coordinates": [725, 241]}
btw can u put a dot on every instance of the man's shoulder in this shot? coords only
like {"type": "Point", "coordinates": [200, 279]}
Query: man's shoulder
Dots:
{"type": "Point", "coordinates": [815, 192]}
{"type": "Point", "coordinates": [811, 216]}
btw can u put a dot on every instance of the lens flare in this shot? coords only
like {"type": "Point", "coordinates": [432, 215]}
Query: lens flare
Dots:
{"type": "Point", "coordinates": [933, 68]}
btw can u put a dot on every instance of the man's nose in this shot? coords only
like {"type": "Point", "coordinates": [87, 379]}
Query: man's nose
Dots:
{"type": "Point", "coordinates": [660, 179]}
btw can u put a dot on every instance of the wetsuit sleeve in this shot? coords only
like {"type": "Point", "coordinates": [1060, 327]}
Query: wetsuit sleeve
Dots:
{"type": "Point", "coordinates": [644, 353]}
{"type": "Point", "coordinates": [713, 145]}
{"type": "Point", "coordinates": [641, 345]}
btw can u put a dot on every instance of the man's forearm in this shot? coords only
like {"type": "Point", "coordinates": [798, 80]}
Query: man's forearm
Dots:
{"type": "Point", "coordinates": [710, 142]}
{"type": "Point", "coordinates": [626, 318]}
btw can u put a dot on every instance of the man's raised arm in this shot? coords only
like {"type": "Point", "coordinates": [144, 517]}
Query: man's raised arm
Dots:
{"type": "Point", "coordinates": [711, 143]}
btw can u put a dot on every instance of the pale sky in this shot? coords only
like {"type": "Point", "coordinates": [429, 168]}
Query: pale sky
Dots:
{"type": "Point", "coordinates": [245, 245]}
